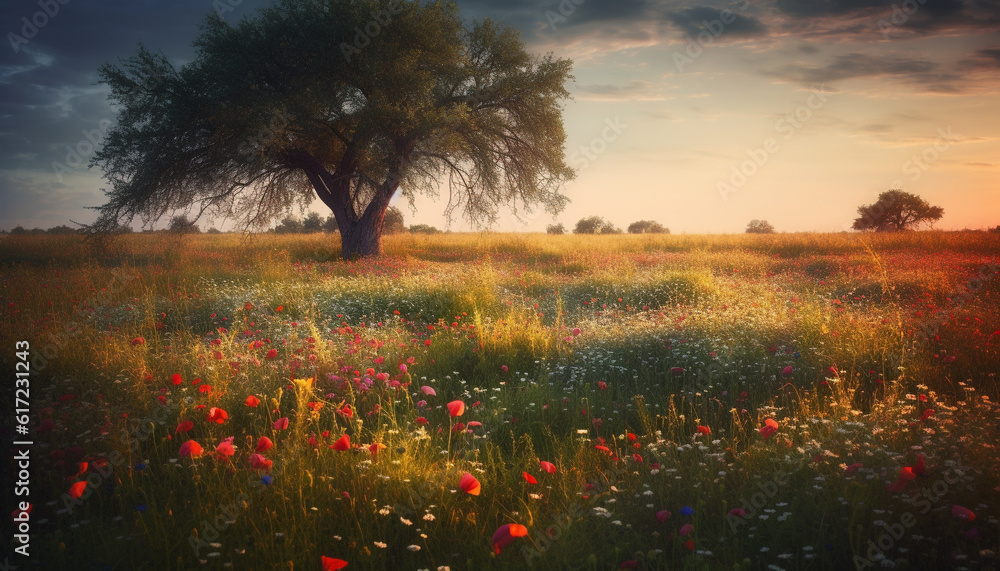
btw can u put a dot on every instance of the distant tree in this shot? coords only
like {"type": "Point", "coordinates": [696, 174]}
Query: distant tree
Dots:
{"type": "Point", "coordinates": [896, 211]}
{"type": "Point", "coordinates": [423, 229]}
{"type": "Point", "coordinates": [290, 225]}
{"type": "Point", "coordinates": [213, 230]}
{"type": "Point", "coordinates": [18, 230]}
{"type": "Point", "coordinates": [313, 223]}
{"type": "Point", "coordinates": [394, 222]}
{"type": "Point", "coordinates": [181, 225]}
{"type": "Point", "coordinates": [589, 225]}
{"type": "Point", "coordinates": [330, 224]}
{"type": "Point", "coordinates": [759, 227]}
{"type": "Point", "coordinates": [995, 230]}
{"type": "Point", "coordinates": [555, 229]}
{"type": "Point", "coordinates": [647, 227]}
{"type": "Point", "coordinates": [62, 229]}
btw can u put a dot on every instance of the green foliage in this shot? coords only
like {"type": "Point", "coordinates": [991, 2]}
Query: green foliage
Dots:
{"type": "Point", "coordinates": [181, 225]}
{"type": "Point", "coordinates": [595, 225]}
{"type": "Point", "coordinates": [300, 102]}
{"type": "Point", "coordinates": [896, 211]}
{"type": "Point", "coordinates": [423, 229]}
{"type": "Point", "coordinates": [759, 227]}
{"type": "Point", "coordinates": [555, 229]}
{"type": "Point", "coordinates": [647, 227]}
{"type": "Point", "coordinates": [394, 222]}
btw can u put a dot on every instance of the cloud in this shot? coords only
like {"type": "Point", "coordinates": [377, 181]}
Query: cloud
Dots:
{"type": "Point", "coordinates": [925, 74]}
{"type": "Point", "coordinates": [693, 21]}
{"type": "Point", "coordinates": [635, 90]}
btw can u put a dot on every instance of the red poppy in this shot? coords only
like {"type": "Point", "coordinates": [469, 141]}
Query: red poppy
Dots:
{"type": "Point", "coordinates": [769, 428]}
{"type": "Point", "coordinates": [920, 467]}
{"type": "Point", "coordinates": [176, 379]}
{"type": "Point", "coordinates": [281, 423]}
{"type": "Point", "coordinates": [253, 401]}
{"type": "Point", "coordinates": [603, 448]}
{"type": "Point", "coordinates": [264, 444]}
{"type": "Point", "coordinates": [330, 563]}
{"type": "Point", "coordinates": [854, 467]}
{"type": "Point", "coordinates": [272, 353]}
{"type": "Point", "coordinates": [689, 544]}
{"type": "Point", "coordinates": [347, 411]}
{"type": "Point", "coordinates": [375, 447]}
{"type": "Point", "coordinates": [602, 385]}
{"type": "Point", "coordinates": [76, 490]}
{"type": "Point", "coordinates": [529, 478]}
{"type": "Point", "coordinates": [420, 420]}
{"type": "Point", "coordinates": [205, 389]}
{"type": "Point", "coordinates": [225, 449]}
{"type": "Point", "coordinates": [191, 448]}
{"type": "Point", "coordinates": [738, 512]}
{"type": "Point", "coordinates": [787, 371]}
{"type": "Point", "coordinates": [258, 462]}
{"type": "Point", "coordinates": [686, 529]}
{"type": "Point", "coordinates": [959, 512]}
{"type": "Point", "coordinates": [662, 515]}
{"type": "Point", "coordinates": [217, 415]}
{"type": "Point", "coordinates": [138, 341]}
{"type": "Point", "coordinates": [344, 443]}
{"type": "Point", "coordinates": [927, 414]}
{"type": "Point", "coordinates": [469, 484]}
{"type": "Point", "coordinates": [704, 430]}
{"type": "Point", "coordinates": [184, 426]}
{"type": "Point", "coordinates": [547, 466]}
{"type": "Point", "coordinates": [506, 533]}
{"type": "Point", "coordinates": [456, 408]}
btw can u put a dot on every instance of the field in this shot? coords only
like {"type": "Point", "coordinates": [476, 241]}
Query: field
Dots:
{"type": "Point", "coordinates": [802, 401]}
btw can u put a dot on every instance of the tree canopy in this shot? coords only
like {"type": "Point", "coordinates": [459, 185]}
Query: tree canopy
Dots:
{"type": "Point", "coordinates": [647, 227]}
{"type": "Point", "coordinates": [757, 226]}
{"type": "Point", "coordinates": [350, 101]}
{"type": "Point", "coordinates": [896, 211]}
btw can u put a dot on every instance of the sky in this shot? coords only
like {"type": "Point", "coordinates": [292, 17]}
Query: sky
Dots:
{"type": "Point", "coordinates": [699, 115]}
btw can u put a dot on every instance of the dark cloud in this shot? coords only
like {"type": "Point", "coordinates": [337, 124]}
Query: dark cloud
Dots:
{"type": "Point", "coordinates": [926, 74]}
{"type": "Point", "coordinates": [693, 21]}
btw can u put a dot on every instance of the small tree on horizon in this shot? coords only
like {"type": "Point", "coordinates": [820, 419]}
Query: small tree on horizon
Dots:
{"type": "Point", "coordinates": [759, 227]}
{"type": "Point", "coordinates": [896, 211]}
{"type": "Point", "coordinates": [313, 223]}
{"type": "Point", "coordinates": [394, 222]}
{"type": "Point", "coordinates": [181, 225]}
{"type": "Point", "coordinates": [595, 225]}
{"type": "Point", "coordinates": [647, 227]}
{"type": "Point", "coordinates": [555, 229]}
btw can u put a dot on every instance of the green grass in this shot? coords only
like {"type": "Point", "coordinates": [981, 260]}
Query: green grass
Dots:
{"type": "Point", "coordinates": [557, 345]}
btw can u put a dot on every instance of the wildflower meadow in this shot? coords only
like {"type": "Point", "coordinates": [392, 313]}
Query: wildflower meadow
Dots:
{"type": "Point", "coordinates": [503, 401]}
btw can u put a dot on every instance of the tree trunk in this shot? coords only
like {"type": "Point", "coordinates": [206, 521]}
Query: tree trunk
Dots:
{"type": "Point", "coordinates": [363, 239]}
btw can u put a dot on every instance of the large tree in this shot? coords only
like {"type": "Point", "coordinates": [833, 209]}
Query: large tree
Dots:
{"type": "Point", "coordinates": [896, 211]}
{"type": "Point", "coordinates": [351, 101]}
